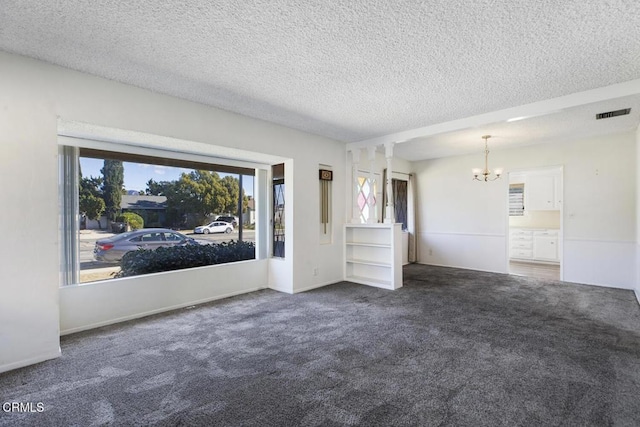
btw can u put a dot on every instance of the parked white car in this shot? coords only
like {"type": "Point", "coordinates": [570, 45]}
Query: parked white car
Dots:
{"type": "Point", "coordinates": [214, 227]}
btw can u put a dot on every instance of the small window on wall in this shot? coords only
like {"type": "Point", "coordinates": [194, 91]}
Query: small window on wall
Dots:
{"type": "Point", "coordinates": [277, 172]}
{"type": "Point", "coordinates": [400, 198]}
{"type": "Point", "coordinates": [399, 188]}
{"type": "Point", "coordinates": [516, 199]}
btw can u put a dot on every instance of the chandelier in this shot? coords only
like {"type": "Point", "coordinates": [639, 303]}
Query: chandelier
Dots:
{"type": "Point", "coordinates": [486, 172]}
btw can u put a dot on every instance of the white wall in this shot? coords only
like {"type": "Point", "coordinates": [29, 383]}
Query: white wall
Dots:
{"type": "Point", "coordinates": [33, 95]}
{"type": "Point", "coordinates": [116, 300]}
{"type": "Point", "coordinates": [463, 223]}
{"type": "Point", "coordinates": [638, 214]}
{"type": "Point", "coordinates": [536, 219]}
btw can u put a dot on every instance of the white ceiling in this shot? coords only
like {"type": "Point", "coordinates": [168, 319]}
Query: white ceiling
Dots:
{"type": "Point", "coordinates": [350, 70]}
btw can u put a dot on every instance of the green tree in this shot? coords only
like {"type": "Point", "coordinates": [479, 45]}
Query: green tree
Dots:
{"type": "Point", "coordinates": [196, 195]}
{"type": "Point", "coordinates": [233, 188]}
{"type": "Point", "coordinates": [113, 180]}
{"type": "Point", "coordinates": [155, 188]}
{"type": "Point", "coordinates": [93, 208]}
{"type": "Point", "coordinates": [200, 193]}
{"type": "Point", "coordinates": [90, 201]}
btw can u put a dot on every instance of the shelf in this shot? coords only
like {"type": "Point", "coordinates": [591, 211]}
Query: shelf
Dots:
{"type": "Point", "coordinates": [371, 245]}
{"type": "Point", "coordinates": [368, 262]}
{"type": "Point", "coordinates": [372, 255]}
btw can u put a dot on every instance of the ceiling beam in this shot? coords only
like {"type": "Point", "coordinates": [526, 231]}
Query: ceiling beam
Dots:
{"type": "Point", "coordinates": [534, 109]}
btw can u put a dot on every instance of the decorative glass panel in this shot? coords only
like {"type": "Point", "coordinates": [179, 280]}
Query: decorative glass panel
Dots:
{"type": "Point", "coordinates": [364, 193]}
{"type": "Point", "coordinates": [400, 201]}
{"type": "Point", "coordinates": [278, 210]}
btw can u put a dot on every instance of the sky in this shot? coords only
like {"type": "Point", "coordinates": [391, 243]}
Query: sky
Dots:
{"type": "Point", "coordinates": [136, 175]}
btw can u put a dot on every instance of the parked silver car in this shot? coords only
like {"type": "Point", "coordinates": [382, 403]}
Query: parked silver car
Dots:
{"type": "Point", "coordinates": [113, 248]}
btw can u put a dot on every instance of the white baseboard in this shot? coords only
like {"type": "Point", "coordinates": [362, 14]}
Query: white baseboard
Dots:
{"type": "Point", "coordinates": [157, 311]}
{"type": "Point", "coordinates": [316, 286]}
{"type": "Point", "coordinates": [281, 289]}
{"type": "Point", "coordinates": [567, 281]}
{"type": "Point", "coordinates": [31, 361]}
{"type": "Point", "coordinates": [461, 268]}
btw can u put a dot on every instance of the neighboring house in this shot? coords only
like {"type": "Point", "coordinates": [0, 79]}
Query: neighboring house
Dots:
{"type": "Point", "coordinates": [152, 209]}
{"type": "Point", "coordinates": [93, 224]}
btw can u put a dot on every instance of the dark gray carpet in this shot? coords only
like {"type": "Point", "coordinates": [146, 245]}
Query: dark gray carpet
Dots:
{"type": "Point", "coordinates": [453, 347]}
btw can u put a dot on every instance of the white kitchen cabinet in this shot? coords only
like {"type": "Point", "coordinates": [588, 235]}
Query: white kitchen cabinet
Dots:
{"type": "Point", "coordinates": [534, 245]}
{"type": "Point", "coordinates": [545, 246]}
{"type": "Point", "coordinates": [542, 193]}
{"type": "Point", "coordinates": [521, 244]}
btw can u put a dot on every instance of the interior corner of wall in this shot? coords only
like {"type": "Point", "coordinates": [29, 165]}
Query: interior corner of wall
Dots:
{"type": "Point", "coordinates": [280, 288]}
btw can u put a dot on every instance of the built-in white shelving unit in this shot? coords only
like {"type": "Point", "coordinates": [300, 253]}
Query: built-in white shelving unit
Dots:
{"type": "Point", "coordinates": [373, 254]}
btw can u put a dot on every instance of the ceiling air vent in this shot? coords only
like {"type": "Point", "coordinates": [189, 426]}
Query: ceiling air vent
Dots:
{"type": "Point", "coordinates": [610, 114]}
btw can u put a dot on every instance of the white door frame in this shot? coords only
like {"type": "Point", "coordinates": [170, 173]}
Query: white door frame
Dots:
{"type": "Point", "coordinates": [560, 169]}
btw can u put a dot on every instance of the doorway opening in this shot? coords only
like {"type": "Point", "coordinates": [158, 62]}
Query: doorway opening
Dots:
{"type": "Point", "coordinates": [535, 223]}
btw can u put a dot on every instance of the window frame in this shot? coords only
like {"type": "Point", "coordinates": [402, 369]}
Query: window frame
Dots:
{"type": "Point", "coordinates": [69, 148]}
{"type": "Point", "coordinates": [364, 175]}
{"type": "Point", "coordinates": [516, 199]}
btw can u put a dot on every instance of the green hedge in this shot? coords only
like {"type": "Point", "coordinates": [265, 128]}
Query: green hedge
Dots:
{"type": "Point", "coordinates": [133, 219]}
{"type": "Point", "coordinates": [145, 261]}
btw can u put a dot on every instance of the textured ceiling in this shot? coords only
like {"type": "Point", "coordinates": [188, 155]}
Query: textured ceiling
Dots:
{"type": "Point", "coordinates": [349, 70]}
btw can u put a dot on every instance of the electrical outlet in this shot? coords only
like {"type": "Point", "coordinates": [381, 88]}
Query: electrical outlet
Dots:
{"type": "Point", "coordinates": [315, 271]}
{"type": "Point", "coordinates": [430, 252]}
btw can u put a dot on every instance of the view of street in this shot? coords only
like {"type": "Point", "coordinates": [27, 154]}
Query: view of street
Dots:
{"type": "Point", "coordinates": [92, 270]}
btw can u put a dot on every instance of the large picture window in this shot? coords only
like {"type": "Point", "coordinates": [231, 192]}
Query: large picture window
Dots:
{"type": "Point", "coordinates": [128, 214]}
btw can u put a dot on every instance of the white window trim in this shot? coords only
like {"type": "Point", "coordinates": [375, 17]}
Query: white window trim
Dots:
{"type": "Point", "coordinates": [85, 135]}
{"type": "Point", "coordinates": [74, 135]}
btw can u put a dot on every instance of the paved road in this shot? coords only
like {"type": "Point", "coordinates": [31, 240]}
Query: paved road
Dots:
{"type": "Point", "coordinates": [88, 240]}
